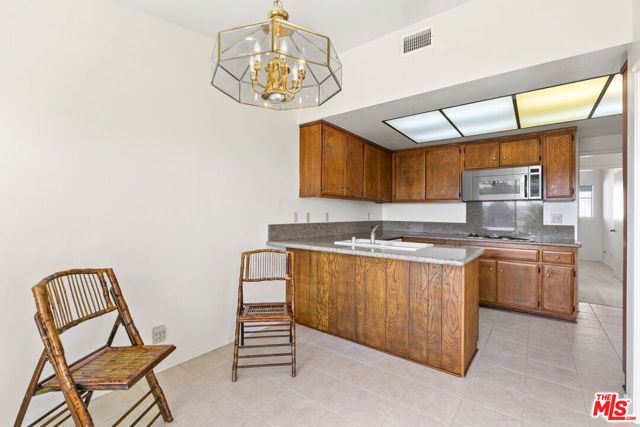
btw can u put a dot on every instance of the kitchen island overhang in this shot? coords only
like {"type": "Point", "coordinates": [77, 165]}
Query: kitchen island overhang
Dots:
{"type": "Point", "coordinates": [422, 305]}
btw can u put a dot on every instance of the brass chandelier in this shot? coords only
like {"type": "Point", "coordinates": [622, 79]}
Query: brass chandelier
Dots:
{"type": "Point", "coordinates": [276, 64]}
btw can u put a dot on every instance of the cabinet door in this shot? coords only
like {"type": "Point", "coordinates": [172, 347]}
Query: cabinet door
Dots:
{"type": "Point", "coordinates": [487, 280]}
{"type": "Point", "coordinates": [409, 176]}
{"type": "Point", "coordinates": [559, 166]}
{"type": "Point", "coordinates": [385, 176]}
{"type": "Point", "coordinates": [518, 284]}
{"type": "Point", "coordinates": [482, 155]}
{"type": "Point", "coordinates": [354, 167]}
{"type": "Point", "coordinates": [443, 173]}
{"type": "Point", "coordinates": [520, 152]}
{"type": "Point", "coordinates": [558, 289]}
{"type": "Point", "coordinates": [372, 169]}
{"type": "Point", "coordinates": [333, 162]}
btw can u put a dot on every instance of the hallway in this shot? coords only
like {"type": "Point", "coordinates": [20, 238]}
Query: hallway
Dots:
{"type": "Point", "coordinates": [598, 285]}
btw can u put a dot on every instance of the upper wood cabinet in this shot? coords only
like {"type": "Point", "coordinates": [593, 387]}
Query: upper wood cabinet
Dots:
{"type": "Point", "coordinates": [333, 163]}
{"type": "Point", "coordinates": [354, 167]}
{"type": "Point", "coordinates": [409, 176]}
{"type": "Point", "coordinates": [443, 173]}
{"type": "Point", "coordinates": [520, 152]}
{"type": "Point", "coordinates": [377, 174]}
{"type": "Point", "coordinates": [482, 155]}
{"type": "Point", "coordinates": [334, 144]}
{"type": "Point", "coordinates": [559, 166]}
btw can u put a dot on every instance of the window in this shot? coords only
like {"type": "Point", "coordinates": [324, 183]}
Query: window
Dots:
{"type": "Point", "coordinates": [585, 201]}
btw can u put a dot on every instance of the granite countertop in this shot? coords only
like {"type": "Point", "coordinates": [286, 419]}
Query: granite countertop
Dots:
{"type": "Point", "coordinates": [433, 255]}
{"type": "Point", "coordinates": [539, 240]}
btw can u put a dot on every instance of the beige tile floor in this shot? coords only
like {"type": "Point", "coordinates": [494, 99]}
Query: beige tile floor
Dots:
{"type": "Point", "coordinates": [529, 371]}
{"type": "Point", "coordinates": [598, 285]}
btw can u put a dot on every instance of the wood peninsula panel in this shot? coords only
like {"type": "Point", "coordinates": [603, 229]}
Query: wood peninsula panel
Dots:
{"type": "Point", "coordinates": [301, 297]}
{"type": "Point", "coordinates": [452, 296]}
{"type": "Point", "coordinates": [397, 303]}
{"type": "Point", "coordinates": [434, 308]}
{"type": "Point", "coordinates": [427, 313]}
{"type": "Point", "coordinates": [371, 290]}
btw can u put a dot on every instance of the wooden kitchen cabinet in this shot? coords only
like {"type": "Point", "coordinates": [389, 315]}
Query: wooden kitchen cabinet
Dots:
{"type": "Point", "coordinates": [559, 168]}
{"type": "Point", "coordinates": [377, 174]}
{"type": "Point", "coordinates": [518, 284]}
{"type": "Point", "coordinates": [520, 152]}
{"type": "Point", "coordinates": [558, 289]}
{"type": "Point", "coordinates": [333, 163]}
{"type": "Point", "coordinates": [488, 280]}
{"type": "Point", "coordinates": [354, 167]}
{"type": "Point", "coordinates": [443, 173]}
{"type": "Point", "coordinates": [483, 155]}
{"type": "Point", "coordinates": [409, 176]}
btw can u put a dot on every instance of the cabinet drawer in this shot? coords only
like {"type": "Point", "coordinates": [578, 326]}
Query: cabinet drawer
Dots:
{"type": "Point", "coordinates": [515, 254]}
{"type": "Point", "coordinates": [557, 257]}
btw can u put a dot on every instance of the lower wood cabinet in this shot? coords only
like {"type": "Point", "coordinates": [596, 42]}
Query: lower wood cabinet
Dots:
{"type": "Point", "coordinates": [487, 280]}
{"type": "Point", "coordinates": [518, 284]}
{"type": "Point", "coordinates": [558, 290]}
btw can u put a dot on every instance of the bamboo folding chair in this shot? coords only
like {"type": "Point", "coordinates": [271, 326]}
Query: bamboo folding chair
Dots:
{"type": "Point", "coordinates": [64, 300]}
{"type": "Point", "coordinates": [258, 320]}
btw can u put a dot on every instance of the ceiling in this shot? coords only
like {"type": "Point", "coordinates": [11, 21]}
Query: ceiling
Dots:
{"type": "Point", "coordinates": [368, 122]}
{"type": "Point", "coordinates": [349, 23]}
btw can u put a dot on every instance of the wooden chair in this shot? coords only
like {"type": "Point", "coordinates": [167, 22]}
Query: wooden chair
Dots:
{"type": "Point", "coordinates": [262, 320]}
{"type": "Point", "coordinates": [64, 300]}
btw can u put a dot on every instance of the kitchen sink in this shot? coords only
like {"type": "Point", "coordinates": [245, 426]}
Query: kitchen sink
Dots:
{"type": "Point", "coordinates": [383, 244]}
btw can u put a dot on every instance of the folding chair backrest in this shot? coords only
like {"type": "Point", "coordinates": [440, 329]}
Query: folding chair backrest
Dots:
{"type": "Point", "coordinates": [74, 296]}
{"type": "Point", "coordinates": [265, 265]}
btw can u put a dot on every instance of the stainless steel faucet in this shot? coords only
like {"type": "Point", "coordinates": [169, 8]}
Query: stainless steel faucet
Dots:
{"type": "Point", "coordinates": [373, 233]}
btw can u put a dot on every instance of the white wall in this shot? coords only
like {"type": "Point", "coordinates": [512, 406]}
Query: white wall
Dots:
{"type": "Point", "coordinates": [478, 39]}
{"type": "Point", "coordinates": [601, 145]}
{"type": "Point", "coordinates": [115, 151]}
{"type": "Point", "coordinates": [590, 229]}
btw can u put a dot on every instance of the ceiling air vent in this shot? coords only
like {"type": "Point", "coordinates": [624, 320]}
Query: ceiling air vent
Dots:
{"type": "Point", "coordinates": [417, 41]}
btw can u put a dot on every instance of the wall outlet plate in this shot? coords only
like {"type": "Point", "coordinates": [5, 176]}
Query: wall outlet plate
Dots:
{"type": "Point", "coordinates": [295, 217]}
{"type": "Point", "coordinates": [326, 217]}
{"type": "Point", "coordinates": [159, 334]}
{"type": "Point", "coordinates": [308, 217]}
{"type": "Point", "coordinates": [556, 218]}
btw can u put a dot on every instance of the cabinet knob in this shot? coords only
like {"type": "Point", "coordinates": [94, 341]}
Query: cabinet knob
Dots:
{"type": "Point", "coordinates": [501, 271]}
{"type": "Point", "coordinates": [548, 275]}
{"type": "Point", "coordinates": [490, 269]}
{"type": "Point", "coordinates": [504, 157]}
{"type": "Point", "coordinates": [494, 159]}
{"type": "Point", "coordinates": [557, 256]}
{"type": "Point", "coordinates": [553, 187]}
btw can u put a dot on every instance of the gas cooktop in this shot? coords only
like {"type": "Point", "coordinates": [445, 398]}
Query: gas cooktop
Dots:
{"type": "Point", "coordinates": [497, 237]}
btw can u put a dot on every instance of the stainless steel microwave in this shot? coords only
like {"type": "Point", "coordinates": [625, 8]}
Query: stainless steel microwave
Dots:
{"type": "Point", "coordinates": [518, 183]}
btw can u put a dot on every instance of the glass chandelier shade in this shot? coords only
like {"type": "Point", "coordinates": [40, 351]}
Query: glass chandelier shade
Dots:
{"type": "Point", "coordinates": [276, 64]}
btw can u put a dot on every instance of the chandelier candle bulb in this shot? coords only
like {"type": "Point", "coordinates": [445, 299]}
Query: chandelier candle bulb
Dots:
{"type": "Point", "coordinates": [287, 51]}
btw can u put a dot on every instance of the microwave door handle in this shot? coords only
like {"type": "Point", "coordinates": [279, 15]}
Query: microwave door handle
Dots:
{"type": "Point", "coordinates": [527, 190]}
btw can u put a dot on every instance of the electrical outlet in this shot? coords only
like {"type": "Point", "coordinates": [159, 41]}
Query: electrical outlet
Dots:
{"type": "Point", "coordinates": [326, 217]}
{"type": "Point", "coordinates": [308, 217]}
{"type": "Point", "coordinates": [159, 334]}
{"type": "Point", "coordinates": [556, 218]}
{"type": "Point", "coordinates": [295, 217]}
{"type": "Point", "coordinates": [368, 216]}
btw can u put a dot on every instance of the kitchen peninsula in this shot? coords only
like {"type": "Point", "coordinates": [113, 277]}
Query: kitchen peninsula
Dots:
{"type": "Point", "coordinates": [420, 305]}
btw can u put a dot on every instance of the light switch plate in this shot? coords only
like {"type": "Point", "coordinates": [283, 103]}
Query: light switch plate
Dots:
{"type": "Point", "coordinates": [308, 217]}
{"type": "Point", "coordinates": [159, 334]}
{"type": "Point", "coordinates": [326, 217]}
{"type": "Point", "coordinates": [295, 217]}
{"type": "Point", "coordinates": [556, 218]}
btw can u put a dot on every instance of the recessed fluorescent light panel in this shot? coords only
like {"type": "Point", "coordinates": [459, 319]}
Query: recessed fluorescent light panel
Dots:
{"type": "Point", "coordinates": [558, 104]}
{"type": "Point", "coordinates": [494, 115]}
{"type": "Point", "coordinates": [425, 127]}
{"type": "Point", "coordinates": [611, 102]}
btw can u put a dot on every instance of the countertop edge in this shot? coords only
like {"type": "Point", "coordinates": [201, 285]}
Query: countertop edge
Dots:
{"type": "Point", "coordinates": [408, 257]}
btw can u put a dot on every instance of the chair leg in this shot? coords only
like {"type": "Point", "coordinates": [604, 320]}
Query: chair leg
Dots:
{"type": "Point", "coordinates": [234, 369]}
{"type": "Point", "coordinates": [241, 333]}
{"type": "Point", "coordinates": [293, 348]}
{"type": "Point", "coordinates": [30, 390]}
{"type": "Point", "coordinates": [157, 392]}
